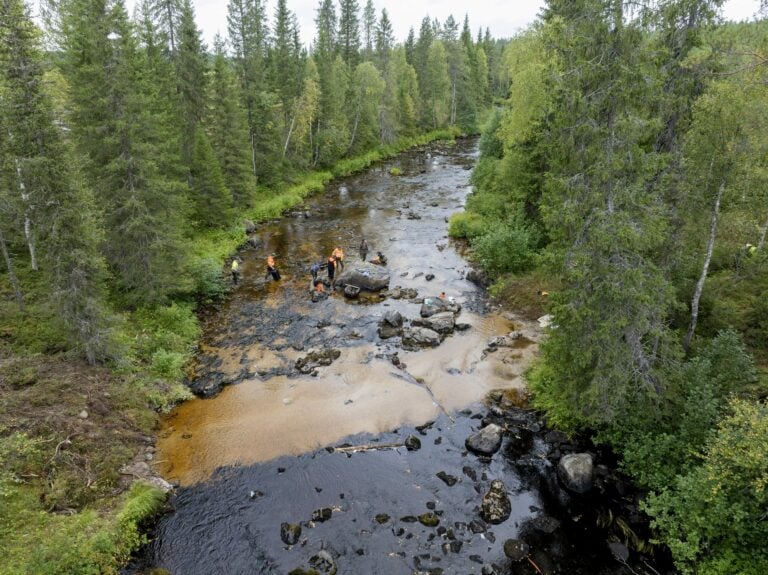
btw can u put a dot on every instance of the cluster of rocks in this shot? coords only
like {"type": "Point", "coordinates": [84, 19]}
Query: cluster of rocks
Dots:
{"type": "Point", "coordinates": [309, 363]}
{"type": "Point", "coordinates": [437, 320]}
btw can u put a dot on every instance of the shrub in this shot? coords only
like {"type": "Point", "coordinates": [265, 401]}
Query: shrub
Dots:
{"type": "Point", "coordinates": [713, 517]}
{"type": "Point", "coordinates": [505, 248]}
{"type": "Point", "coordinates": [466, 225]}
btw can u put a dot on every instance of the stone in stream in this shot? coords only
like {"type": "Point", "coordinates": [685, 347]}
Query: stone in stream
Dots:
{"type": "Point", "coordinates": [391, 325]}
{"type": "Point", "coordinates": [429, 277]}
{"type": "Point", "coordinates": [316, 358]}
{"type": "Point", "coordinates": [441, 322]}
{"type": "Point", "coordinates": [432, 305]}
{"type": "Point", "coordinates": [351, 291]}
{"type": "Point", "coordinates": [250, 227]}
{"type": "Point", "coordinates": [420, 336]}
{"type": "Point", "coordinates": [429, 519]}
{"type": "Point", "coordinates": [290, 533]}
{"type": "Point", "coordinates": [367, 277]}
{"type": "Point", "coordinates": [516, 549]}
{"type": "Point", "coordinates": [412, 443]}
{"type": "Point", "coordinates": [496, 506]}
{"type": "Point", "coordinates": [486, 441]}
{"type": "Point", "coordinates": [575, 471]}
{"type": "Point", "coordinates": [382, 518]}
{"type": "Point", "coordinates": [449, 480]}
{"type": "Point", "coordinates": [519, 442]}
{"type": "Point", "coordinates": [323, 563]}
{"type": "Point", "coordinates": [322, 514]}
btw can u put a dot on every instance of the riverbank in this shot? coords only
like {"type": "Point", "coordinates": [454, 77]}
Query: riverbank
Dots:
{"type": "Point", "coordinates": [74, 438]}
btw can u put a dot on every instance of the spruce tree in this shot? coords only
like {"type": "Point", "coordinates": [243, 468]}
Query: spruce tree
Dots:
{"type": "Point", "coordinates": [41, 161]}
{"type": "Point", "coordinates": [349, 32]}
{"type": "Point", "coordinates": [115, 127]}
{"type": "Point", "coordinates": [369, 30]}
{"type": "Point", "coordinates": [385, 40]}
{"type": "Point", "coordinates": [228, 129]}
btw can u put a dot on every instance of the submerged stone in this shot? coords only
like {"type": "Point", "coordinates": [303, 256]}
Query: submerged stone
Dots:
{"type": "Point", "coordinates": [290, 533]}
{"type": "Point", "coordinates": [496, 507]}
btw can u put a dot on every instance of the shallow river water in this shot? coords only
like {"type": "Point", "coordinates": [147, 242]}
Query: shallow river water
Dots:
{"type": "Point", "coordinates": [259, 452]}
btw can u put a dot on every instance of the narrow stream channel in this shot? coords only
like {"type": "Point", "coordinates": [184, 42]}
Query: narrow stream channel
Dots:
{"type": "Point", "coordinates": [258, 454]}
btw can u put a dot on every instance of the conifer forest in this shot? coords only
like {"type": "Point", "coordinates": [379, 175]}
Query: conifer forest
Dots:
{"type": "Point", "coordinates": [619, 194]}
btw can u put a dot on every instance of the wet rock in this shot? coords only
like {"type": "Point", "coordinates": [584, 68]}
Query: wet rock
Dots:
{"type": "Point", "coordinates": [479, 278]}
{"type": "Point", "coordinates": [462, 326]}
{"type": "Point", "coordinates": [496, 506]}
{"type": "Point", "coordinates": [323, 563]}
{"type": "Point", "coordinates": [433, 305]}
{"type": "Point", "coordinates": [316, 358]}
{"type": "Point", "coordinates": [250, 227]}
{"type": "Point", "coordinates": [382, 518]}
{"type": "Point", "coordinates": [351, 291]}
{"type": "Point", "coordinates": [409, 519]}
{"type": "Point", "coordinates": [489, 570]}
{"type": "Point", "coordinates": [619, 551]}
{"type": "Point", "coordinates": [575, 471]}
{"type": "Point", "coordinates": [322, 514]}
{"type": "Point", "coordinates": [413, 216]}
{"type": "Point", "coordinates": [393, 318]}
{"type": "Point", "coordinates": [452, 547]}
{"type": "Point", "coordinates": [412, 443]}
{"type": "Point", "coordinates": [253, 242]}
{"type": "Point", "coordinates": [429, 277]}
{"type": "Point", "coordinates": [545, 321]}
{"type": "Point", "coordinates": [449, 480]}
{"type": "Point", "coordinates": [516, 549]}
{"type": "Point", "coordinates": [476, 526]}
{"type": "Point", "coordinates": [410, 293]}
{"type": "Point", "coordinates": [429, 519]}
{"type": "Point", "coordinates": [420, 336]}
{"type": "Point", "coordinates": [486, 441]}
{"type": "Point", "coordinates": [367, 277]}
{"type": "Point", "coordinates": [469, 472]}
{"type": "Point", "coordinates": [386, 331]}
{"type": "Point", "coordinates": [290, 533]}
{"type": "Point", "coordinates": [543, 523]}
{"type": "Point", "coordinates": [441, 322]}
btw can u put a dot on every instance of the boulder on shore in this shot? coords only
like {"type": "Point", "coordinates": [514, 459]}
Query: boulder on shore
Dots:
{"type": "Point", "coordinates": [365, 276]}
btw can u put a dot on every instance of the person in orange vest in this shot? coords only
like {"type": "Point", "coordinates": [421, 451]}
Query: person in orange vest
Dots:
{"type": "Point", "coordinates": [272, 268]}
{"type": "Point", "coordinates": [338, 255]}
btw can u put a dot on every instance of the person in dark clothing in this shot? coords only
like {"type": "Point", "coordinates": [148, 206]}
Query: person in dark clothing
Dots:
{"type": "Point", "coordinates": [331, 269]}
{"type": "Point", "coordinates": [315, 268]}
{"type": "Point", "coordinates": [380, 259]}
{"type": "Point", "coordinates": [363, 249]}
{"type": "Point", "coordinates": [272, 268]}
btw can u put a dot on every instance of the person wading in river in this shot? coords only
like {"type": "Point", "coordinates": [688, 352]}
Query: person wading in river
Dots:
{"type": "Point", "coordinates": [331, 269]}
{"type": "Point", "coordinates": [235, 268]}
{"type": "Point", "coordinates": [338, 255]}
{"type": "Point", "coordinates": [363, 249]}
{"type": "Point", "coordinates": [272, 268]}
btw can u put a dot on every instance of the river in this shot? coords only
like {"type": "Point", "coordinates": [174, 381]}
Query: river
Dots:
{"type": "Point", "coordinates": [259, 452]}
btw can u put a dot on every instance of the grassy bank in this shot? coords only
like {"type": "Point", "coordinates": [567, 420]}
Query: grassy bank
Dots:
{"type": "Point", "coordinates": [66, 429]}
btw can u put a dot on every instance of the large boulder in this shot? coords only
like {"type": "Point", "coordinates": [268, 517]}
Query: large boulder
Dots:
{"type": "Point", "coordinates": [420, 336]}
{"type": "Point", "coordinates": [393, 318]}
{"type": "Point", "coordinates": [496, 507]}
{"type": "Point", "coordinates": [486, 441]}
{"type": "Point", "coordinates": [391, 325]}
{"type": "Point", "coordinates": [434, 305]}
{"type": "Point", "coordinates": [575, 471]}
{"type": "Point", "coordinates": [442, 322]}
{"type": "Point", "coordinates": [365, 276]}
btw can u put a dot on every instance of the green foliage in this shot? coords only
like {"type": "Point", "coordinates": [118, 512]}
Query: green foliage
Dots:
{"type": "Point", "coordinates": [713, 516]}
{"type": "Point", "coordinates": [506, 248]}
{"type": "Point", "coordinates": [395, 171]}
{"type": "Point", "coordinates": [85, 543]}
{"type": "Point", "coordinates": [467, 225]}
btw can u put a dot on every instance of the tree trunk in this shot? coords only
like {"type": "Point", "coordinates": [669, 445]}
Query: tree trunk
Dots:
{"type": "Point", "coordinates": [27, 222]}
{"type": "Point", "coordinates": [453, 104]}
{"type": "Point", "coordinates": [253, 152]}
{"type": "Point", "coordinates": [288, 137]}
{"type": "Point", "coordinates": [761, 242]}
{"type": "Point", "coordinates": [704, 270]}
{"type": "Point", "coordinates": [354, 130]}
{"type": "Point", "coordinates": [11, 273]}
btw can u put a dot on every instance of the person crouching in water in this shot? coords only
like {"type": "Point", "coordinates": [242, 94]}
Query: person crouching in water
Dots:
{"type": "Point", "coordinates": [380, 259]}
{"type": "Point", "coordinates": [272, 268]}
{"type": "Point", "coordinates": [338, 255]}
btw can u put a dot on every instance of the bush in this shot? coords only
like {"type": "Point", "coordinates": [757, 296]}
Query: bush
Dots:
{"type": "Point", "coordinates": [506, 248]}
{"type": "Point", "coordinates": [466, 225]}
{"type": "Point", "coordinates": [713, 517]}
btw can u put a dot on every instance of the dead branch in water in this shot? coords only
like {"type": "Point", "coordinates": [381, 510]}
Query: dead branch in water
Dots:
{"type": "Point", "coordinates": [367, 447]}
